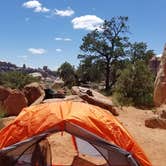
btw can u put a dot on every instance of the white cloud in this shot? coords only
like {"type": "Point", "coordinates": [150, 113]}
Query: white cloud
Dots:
{"type": "Point", "coordinates": [58, 38]}
{"type": "Point", "coordinates": [36, 5]}
{"type": "Point", "coordinates": [67, 39]}
{"type": "Point", "coordinates": [37, 51]}
{"type": "Point", "coordinates": [87, 22]}
{"type": "Point", "coordinates": [64, 13]}
{"type": "Point", "coordinates": [58, 50]}
{"type": "Point", "coordinates": [32, 4]}
{"type": "Point", "coordinates": [41, 9]}
{"type": "Point", "coordinates": [62, 39]}
{"type": "Point", "coordinates": [159, 55]}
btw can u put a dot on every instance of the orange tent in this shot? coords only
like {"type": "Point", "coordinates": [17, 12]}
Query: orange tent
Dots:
{"type": "Point", "coordinates": [90, 123]}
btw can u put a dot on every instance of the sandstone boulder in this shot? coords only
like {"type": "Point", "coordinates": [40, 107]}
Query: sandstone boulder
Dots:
{"type": "Point", "coordinates": [15, 102]}
{"type": "Point", "coordinates": [95, 98]}
{"type": "Point", "coordinates": [34, 93]}
{"type": "Point", "coordinates": [160, 82]}
{"type": "Point", "coordinates": [156, 122]}
{"type": "Point", "coordinates": [4, 93]}
{"type": "Point", "coordinates": [75, 98]}
{"type": "Point", "coordinates": [58, 84]}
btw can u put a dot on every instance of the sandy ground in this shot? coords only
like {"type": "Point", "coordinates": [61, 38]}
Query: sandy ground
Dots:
{"type": "Point", "coordinates": [64, 153]}
{"type": "Point", "coordinates": [152, 141]}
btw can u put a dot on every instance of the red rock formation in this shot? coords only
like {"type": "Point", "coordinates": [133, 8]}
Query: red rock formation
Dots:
{"type": "Point", "coordinates": [154, 64]}
{"type": "Point", "coordinates": [95, 98]}
{"type": "Point", "coordinates": [160, 82]}
{"type": "Point", "coordinates": [4, 93]}
{"type": "Point", "coordinates": [15, 102]}
{"type": "Point", "coordinates": [34, 93]}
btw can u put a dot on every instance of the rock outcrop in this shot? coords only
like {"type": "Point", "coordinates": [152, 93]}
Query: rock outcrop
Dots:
{"type": "Point", "coordinates": [75, 98]}
{"type": "Point", "coordinates": [159, 120]}
{"type": "Point", "coordinates": [154, 64]}
{"type": "Point", "coordinates": [45, 72]}
{"type": "Point", "coordinates": [156, 122]}
{"type": "Point", "coordinates": [34, 93]}
{"type": "Point", "coordinates": [12, 101]}
{"type": "Point", "coordinates": [160, 82]}
{"type": "Point", "coordinates": [15, 102]}
{"type": "Point", "coordinates": [95, 98]}
{"type": "Point", "coordinates": [4, 93]}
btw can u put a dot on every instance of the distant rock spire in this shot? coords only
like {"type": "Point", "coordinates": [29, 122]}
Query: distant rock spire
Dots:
{"type": "Point", "coordinates": [160, 82]}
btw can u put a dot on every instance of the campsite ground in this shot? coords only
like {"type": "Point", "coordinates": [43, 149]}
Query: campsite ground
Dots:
{"type": "Point", "coordinates": [153, 141]}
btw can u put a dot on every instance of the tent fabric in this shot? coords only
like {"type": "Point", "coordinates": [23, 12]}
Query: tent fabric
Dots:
{"type": "Point", "coordinates": [32, 152]}
{"type": "Point", "coordinates": [114, 155]}
{"type": "Point", "coordinates": [37, 119]}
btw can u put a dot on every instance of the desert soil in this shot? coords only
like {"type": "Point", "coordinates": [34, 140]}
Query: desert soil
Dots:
{"type": "Point", "coordinates": [152, 141]}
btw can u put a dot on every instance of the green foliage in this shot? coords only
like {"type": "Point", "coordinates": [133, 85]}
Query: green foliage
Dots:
{"type": "Point", "coordinates": [135, 85]}
{"type": "Point", "coordinates": [67, 72]}
{"type": "Point", "coordinates": [90, 70]}
{"type": "Point", "coordinates": [139, 51]}
{"type": "Point", "coordinates": [107, 45]}
{"type": "Point", "coordinates": [16, 79]}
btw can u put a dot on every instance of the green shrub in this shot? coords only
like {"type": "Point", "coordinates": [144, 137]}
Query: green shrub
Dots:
{"type": "Point", "coordinates": [120, 99]}
{"type": "Point", "coordinates": [135, 85]}
{"type": "Point", "coordinates": [67, 72]}
{"type": "Point", "coordinates": [16, 79]}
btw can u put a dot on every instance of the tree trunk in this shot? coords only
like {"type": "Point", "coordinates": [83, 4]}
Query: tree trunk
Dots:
{"type": "Point", "coordinates": [107, 77]}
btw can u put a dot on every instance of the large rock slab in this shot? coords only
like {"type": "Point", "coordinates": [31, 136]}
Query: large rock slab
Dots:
{"type": "Point", "coordinates": [34, 93]}
{"type": "Point", "coordinates": [160, 82]}
{"type": "Point", "coordinates": [75, 98]}
{"type": "Point", "coordinates": [95, 98]}
{"type": "Point", "coordinates": [15, 102]}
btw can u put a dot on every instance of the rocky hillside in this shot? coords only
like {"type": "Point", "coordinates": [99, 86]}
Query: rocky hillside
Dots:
{"type": "Point", "coordinates": [45, 72]}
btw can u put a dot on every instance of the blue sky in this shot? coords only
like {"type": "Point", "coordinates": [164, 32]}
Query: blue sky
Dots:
{"type": "Point", "coordinates": [49, 32]}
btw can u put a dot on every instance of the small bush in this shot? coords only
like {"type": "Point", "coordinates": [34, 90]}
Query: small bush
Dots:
{"type": "Point", "coordinates": [67, 72]}
{"type": "Point", "coordinates": [135, 85]}
{"type": "Point", "coordinates": [119, 99]}
{"type": "Point", "coordinates": [16, 79]}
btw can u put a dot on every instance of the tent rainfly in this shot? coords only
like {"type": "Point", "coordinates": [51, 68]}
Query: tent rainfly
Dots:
{"type": "Point", "coordinates": [24, 141]}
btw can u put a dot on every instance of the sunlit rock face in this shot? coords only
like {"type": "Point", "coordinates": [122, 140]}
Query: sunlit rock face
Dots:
{"type": "Point", "coordinates": [160, 82]}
